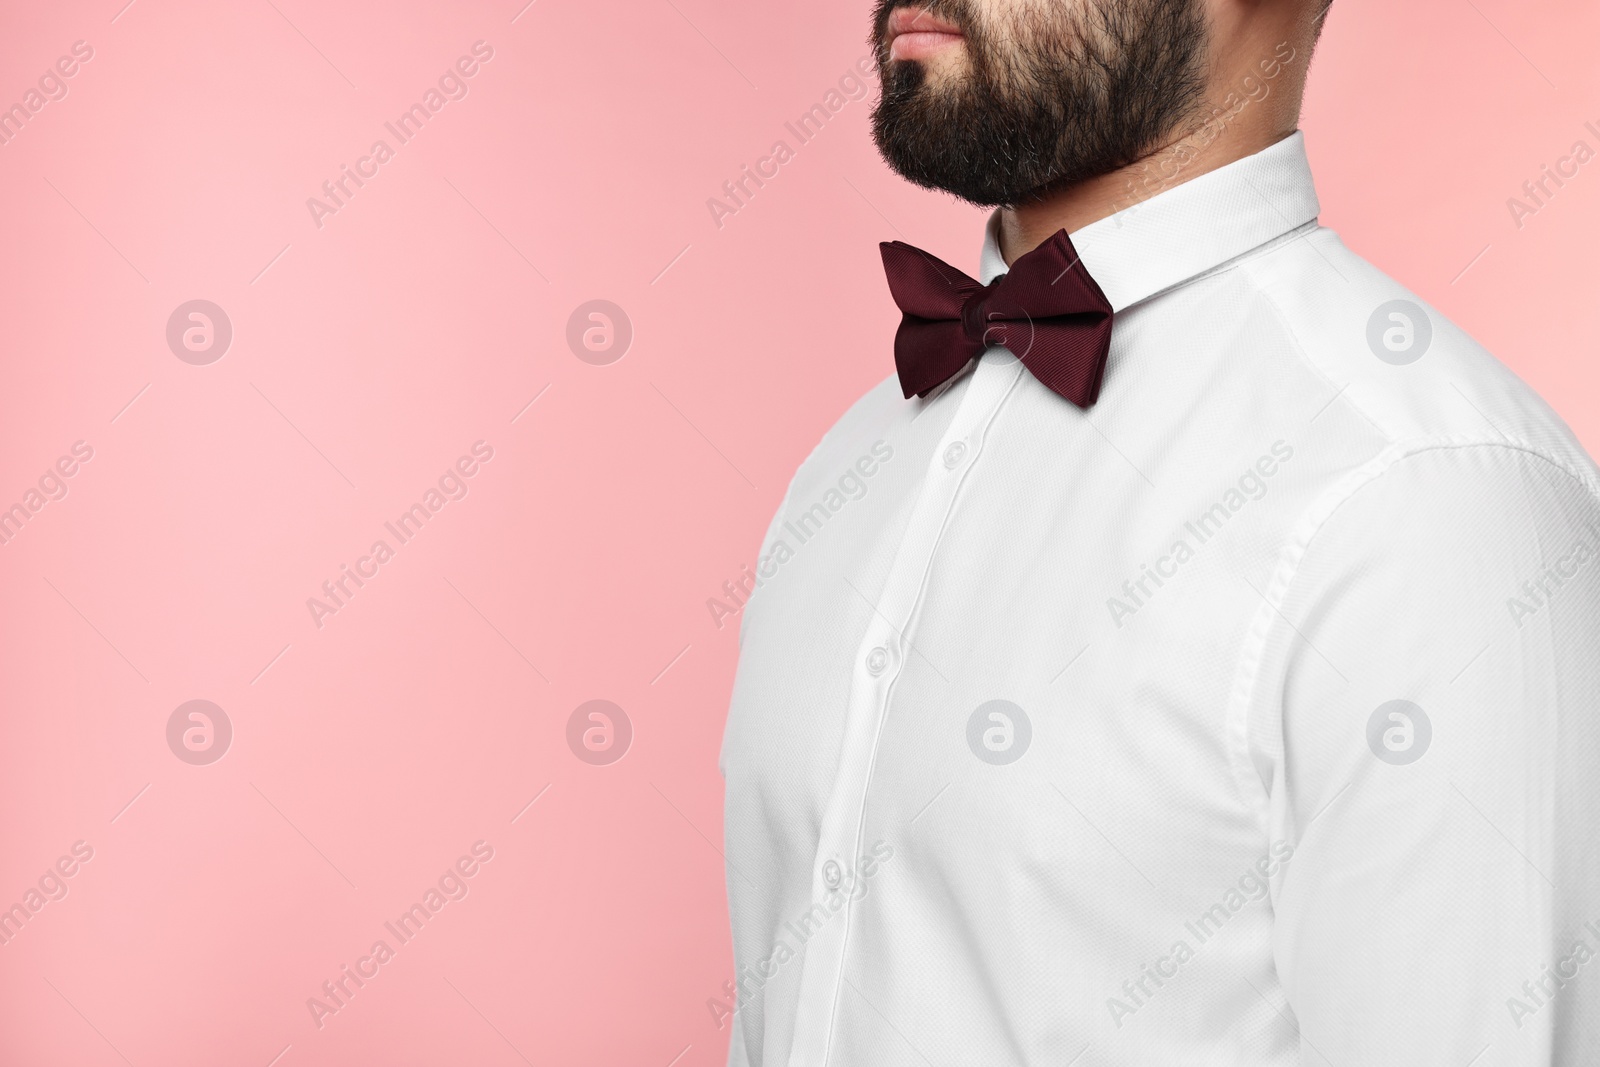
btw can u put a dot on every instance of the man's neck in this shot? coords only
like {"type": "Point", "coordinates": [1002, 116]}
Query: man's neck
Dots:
{"type": "Point", "coordinates": [1228, 133]}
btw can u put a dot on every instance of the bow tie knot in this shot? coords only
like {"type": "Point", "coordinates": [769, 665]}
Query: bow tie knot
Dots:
{"type": "Point", "coordinates": [1047, 311]}
{"type": "Point", "coordinates": [975, 321]}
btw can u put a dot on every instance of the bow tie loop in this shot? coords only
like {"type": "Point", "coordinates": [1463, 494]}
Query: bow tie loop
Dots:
{"type": "Point", "coordinates": [1047, 311]}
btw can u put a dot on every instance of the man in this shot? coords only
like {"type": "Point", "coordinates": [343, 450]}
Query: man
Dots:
{"type": "Point", "coordinates": [1191, 655]}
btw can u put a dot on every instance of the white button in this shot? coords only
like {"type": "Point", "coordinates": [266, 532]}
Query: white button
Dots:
{"type": "Point", "coordinates": [877, 660]}
{"type": "Point", "coordinates": [831, 875]}
{"type": "Point", "coordinates": [955, 454]}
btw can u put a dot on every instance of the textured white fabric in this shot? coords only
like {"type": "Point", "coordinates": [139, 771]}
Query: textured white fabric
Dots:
{"type": "Point", "coordinates": [1201, 594]}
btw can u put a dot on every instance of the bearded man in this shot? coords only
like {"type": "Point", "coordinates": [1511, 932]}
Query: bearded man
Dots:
{"type": "Point", "coordinates": [1208, 672]}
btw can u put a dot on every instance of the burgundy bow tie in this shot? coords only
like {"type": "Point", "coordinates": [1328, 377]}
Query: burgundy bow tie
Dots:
{"type": "Point", "coordinates": [1046, 310]}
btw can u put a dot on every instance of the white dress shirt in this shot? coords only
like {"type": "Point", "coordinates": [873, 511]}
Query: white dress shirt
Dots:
{"type": "Point", "coordinates": [1250, 717]}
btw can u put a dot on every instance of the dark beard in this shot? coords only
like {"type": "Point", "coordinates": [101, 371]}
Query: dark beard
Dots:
{"type": "Point", "coordinates": [1077, 96]}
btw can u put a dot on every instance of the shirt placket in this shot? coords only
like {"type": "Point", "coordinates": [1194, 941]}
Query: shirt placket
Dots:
{"type": "Point", "coordinates": [879, 660]}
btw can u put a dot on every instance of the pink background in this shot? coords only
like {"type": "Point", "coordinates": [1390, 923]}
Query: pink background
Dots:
{"type": "Point", "coordinates": [368, 354]}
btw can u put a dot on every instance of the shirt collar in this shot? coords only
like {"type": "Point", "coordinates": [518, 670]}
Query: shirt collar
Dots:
{"type": "Point", "coordinates": [1189, 229]}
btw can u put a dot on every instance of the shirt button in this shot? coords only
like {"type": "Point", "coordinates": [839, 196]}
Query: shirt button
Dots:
{"type": "Point", "coordinates": [831, 875]}
{"type": "Point", "coordinates": [955, 454]}
{"type": "Point", "coordinates": [877, 660]}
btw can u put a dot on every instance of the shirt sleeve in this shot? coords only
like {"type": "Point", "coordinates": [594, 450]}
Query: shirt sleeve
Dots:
{"type": "Point", "coordinates": [1425, 726]}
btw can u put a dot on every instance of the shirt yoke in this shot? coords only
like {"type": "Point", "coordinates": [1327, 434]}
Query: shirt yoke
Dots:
{"type": "Point", "coordinates": [1395, 361]}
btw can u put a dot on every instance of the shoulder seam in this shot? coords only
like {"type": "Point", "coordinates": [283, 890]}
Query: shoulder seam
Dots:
{"type": "Point", "coordinates": [1290, 556]}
